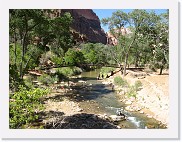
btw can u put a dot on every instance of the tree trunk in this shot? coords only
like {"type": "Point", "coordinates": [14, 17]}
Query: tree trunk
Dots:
{"type": "Point", "coordinates": [23, 48]}
{"type": "Point", "coordinates": [136, 61]}
{"type": "Point", "coordinates": [125, 65]}
{"type": "Point", "coordinates": [15, 45]}
{"type": "Point", "coordinates": [22, 58]}
{"type": "Point", "coordinates": [161, 70]}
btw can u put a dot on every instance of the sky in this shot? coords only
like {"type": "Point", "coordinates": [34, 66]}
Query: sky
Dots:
{"type": "Point", "coordinates": [105, 13]}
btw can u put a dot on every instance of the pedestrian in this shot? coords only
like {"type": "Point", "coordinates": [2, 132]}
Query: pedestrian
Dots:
{"type": "Point", "coordinates": [98, 77]}
{"type": "Point", "coordinates": [112, 86]}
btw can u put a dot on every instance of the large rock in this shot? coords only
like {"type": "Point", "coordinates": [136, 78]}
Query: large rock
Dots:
{"type": "Point", "coordinates": [117, 118]}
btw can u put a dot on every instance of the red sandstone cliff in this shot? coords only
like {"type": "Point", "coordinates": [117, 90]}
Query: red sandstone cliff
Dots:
{"type": "Point", "coordinates": [87, 23]}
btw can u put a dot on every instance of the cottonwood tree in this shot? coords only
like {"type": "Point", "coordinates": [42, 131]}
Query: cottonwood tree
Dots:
{"type": "Point", "coordinates": [120, 19]}
{"type": "Point", "coordinates": [146, 29]}
{"type": "Point", "coordinates": [161, 43]}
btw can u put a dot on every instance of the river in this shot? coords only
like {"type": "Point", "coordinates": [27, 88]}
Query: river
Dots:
{"type": "Point", "coordinates": [97, 98]}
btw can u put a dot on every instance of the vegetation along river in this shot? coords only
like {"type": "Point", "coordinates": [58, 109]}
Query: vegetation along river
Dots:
{"type": "Point", "coordinates": [98, 98]}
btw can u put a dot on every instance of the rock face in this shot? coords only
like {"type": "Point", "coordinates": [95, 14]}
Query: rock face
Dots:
{"type": "Point", "coordinates": [87, 23]}
{"type": "Point", "coordinates": [112, 40]}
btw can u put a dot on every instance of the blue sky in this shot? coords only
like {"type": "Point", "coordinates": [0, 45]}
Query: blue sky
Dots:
{"type": "Point", "coordinates": [104, 13]}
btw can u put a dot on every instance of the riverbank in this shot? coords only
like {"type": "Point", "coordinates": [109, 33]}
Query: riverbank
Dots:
{"type": "Point", "coordinates": [152, 99]}
{"type": "Point", "coordinates": [63, 112]}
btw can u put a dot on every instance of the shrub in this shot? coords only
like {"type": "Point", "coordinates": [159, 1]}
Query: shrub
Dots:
{"type": "Point", "coordinates": [74, 57]}
{"type": "Point", "coordinates": [47, 79]}
{"type": "Point", "coordinates": [120, 82]}
{"type": "Point", "coordinates": [132, 92]}
{"type": "Point", "coordinates": [106, 70]}
{"type": "Point", "coordinates": [68, 71]}
{"type": "Point", "coordinates": [24, 106]}
{"type": "Point", "coordinates": [138, 85]}
{"type": "Point", "coordinates": [57, 60]}
{"type": "Point", "coordinates": [28, 82]}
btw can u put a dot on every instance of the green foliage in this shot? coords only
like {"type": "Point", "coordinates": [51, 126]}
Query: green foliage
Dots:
{"type": "Point", "coordinates": [73, 57]}
{"type": "Point", "coordinates": [47, 79]}
{"type": "Point", "coordinates": [24, 106]}
{"type": "Point", "coordinates": [149, 31]}
{"type": "Point", "coordinates": [94, 53]}
{"type": "Point", "coordinates": [67, 71]}
{"type": "Point", "coordinates": [14, 80]}
{"type": "Point", "coordinates": [28, 82]}
{"type": "Point", "coordinates": [138, 85]}
{"type": "Point", "coordinates": [120, 82]}
{"type": "Point", "coordinates": [132, 91]}
{"type": "Point", "coordinates": [31, 57]}
{"type": "Point", "coordinates": [106, 70]}
{"type": "Point", "coordinates": [57, 60]}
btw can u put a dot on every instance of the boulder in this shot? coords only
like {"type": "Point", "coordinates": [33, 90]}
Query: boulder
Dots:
{"type": "Point", "coordinates": [116, 118]}
{"type": "Point", "coordinates": [128, 102]}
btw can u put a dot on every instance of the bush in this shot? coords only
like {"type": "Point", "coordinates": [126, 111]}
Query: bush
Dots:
{"type": "Point", "coordinates": [57, 60]}
{"type": "Point", "coordinates": [74, 57]}
{"type": "Point", "coordinates": [47, 79]}
{"type": "Point", "coordinates": [132, 92]}
{"type": "Point", "coordinates": [138, 85]}
{"type": "Point", "coordinates": [68, 71]}
{"type": "Point", "coordinates": [28, 82]}
{"type": "Point", "coordinates": [24, 106]}
{"type": "Point", "coordinates": [106, 70]}
{"type": "Point", "coordinates": [120, 82]}
{"type": "Point", "coordinates": [14, 78]}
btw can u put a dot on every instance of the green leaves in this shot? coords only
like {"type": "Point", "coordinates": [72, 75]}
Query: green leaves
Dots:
{"type": "Point", "coordinates": [24, 105]}
{"type": "Point", "coordinates": [73, 57]}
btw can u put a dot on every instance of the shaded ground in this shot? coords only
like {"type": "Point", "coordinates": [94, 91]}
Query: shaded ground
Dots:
{"type": "Point", "coordinates": [67, 114]}
{"type": "Point", "coordinates": [80, 121]}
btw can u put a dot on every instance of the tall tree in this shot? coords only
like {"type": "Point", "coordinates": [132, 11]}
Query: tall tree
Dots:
{"type": "Point", "coordinates": [32, 30]}
{"type": "Point", "coordinates": [118, 20]}
{"type": "Point", "coordinates": [147, 29]}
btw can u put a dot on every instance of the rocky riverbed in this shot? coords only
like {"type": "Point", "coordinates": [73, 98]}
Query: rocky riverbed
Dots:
{"type": "Point", "coordinates": [67, 114]}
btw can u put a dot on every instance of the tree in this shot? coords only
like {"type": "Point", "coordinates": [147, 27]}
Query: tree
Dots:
{"type": "Point", "coordinates": [145, 30]}
{"type": "Point", "coordinates": [22, 23]}
{"type": "Point", "coordinates": [161, 46]}
{"type": "Point", "coordinates": [73, 57]}
{"type": "Point", "coordinates": [31, 31]}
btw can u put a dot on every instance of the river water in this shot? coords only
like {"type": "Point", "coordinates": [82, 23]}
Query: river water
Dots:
{"type": "Point", "coordinates": [95, 97]}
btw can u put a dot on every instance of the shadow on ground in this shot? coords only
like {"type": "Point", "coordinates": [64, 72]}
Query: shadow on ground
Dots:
{"type": "Point", "coordinates": [86, 92]}
{"type": "Point", "coordinates": [80, 121]}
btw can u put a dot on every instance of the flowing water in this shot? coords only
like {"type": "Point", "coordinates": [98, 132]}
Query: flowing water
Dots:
{"type": "Point", "coordinates": [95, 97]}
